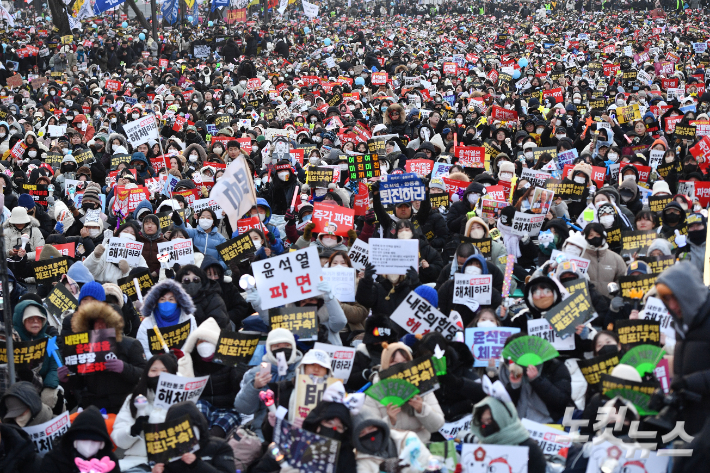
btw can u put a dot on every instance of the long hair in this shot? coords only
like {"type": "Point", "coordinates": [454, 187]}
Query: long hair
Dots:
{"type": "Point", "coordinates": [170, 362]}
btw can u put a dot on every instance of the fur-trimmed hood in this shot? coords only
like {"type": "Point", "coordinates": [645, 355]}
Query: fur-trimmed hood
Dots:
{"type": "Point", "coordinates": [200, 152]}
{"type": "Point", "coordinates": [459, 176]}
{"type": "Point", "coordinates": [150, 301]}
{"type": "Point", "coordinates": [83, 318]}
{"type": "Point", "coordinates": [121, 138]}
{"type": "Point", "coordinates": [395, 106]}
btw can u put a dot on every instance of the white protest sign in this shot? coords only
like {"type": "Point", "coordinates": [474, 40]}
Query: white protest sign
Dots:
{"type": "Point", "coordinates": [656, 310]}
{"type": "Point", "coordinates": [310, 9]}
{"type": "Point", "coordinates": [141, 130]}
{"type": "Point", "coordinates": [55, 130]}
{"type": "Point", "coordinates": [173, 389]}
{"type": "Point", "coordinates": [524, 224]}
{"type": "Point", "coordinates": [394, 256]}
{"type": "Point", "coordinates": [342, 280]}
{"type": "Point", "coordinates": [359, 254]}
{"type": "Point", "coordinates": [341, 359]}
{"type": "Point", "coordinates": [417, 316]}
{"type": "Point", "coordinates": [288, 278]}
{"type": "Point", "coordinates": [700, 47]}
{"type": "Point", "coordinates": [472, 289]}
{"type": "Point", "coordinates": [180, 250]}
{"type": "Point", "coordinates": [202, 51]}
{"type": "Point", "coordinates": [550, 440]}
{"type": "Point", "coordinates": [202, 204]}
{"type": "Point", "coordinates": [123, 248]}
{"type": "Point", "coordinates": [656, 158]}
{"type": "Point", "coordinates": [542, 328]}
{"type": "Point", "coordinates": [582, 263]}
{"type": "Point", "coordinates": [451, 429]}
{"type": "Point", "coordinates": [676, 93]}
{"type": "Point", "coordinates": [535, 178]}
{"type": "Point", "coordinates": [45, 435]}
{"type": "Point", "coordinates": [635, 462]}
{"type": "Point", "coordinates": [494, 458]}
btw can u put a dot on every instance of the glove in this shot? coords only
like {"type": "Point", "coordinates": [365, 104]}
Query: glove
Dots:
{"type": "Point", "coordinates": [59, 227]}
{"type": "Point", "coordinates": [679, 239]}
{"type": "Point", "coordinates": [369, 271]}
{"type": "Point", "coordinates": [63, 373]}
{"type": "Point", "coordinates": [175, 217]}
{"type": "Point", "coordinates": [137, 427]}
{"type": "Point", "coordinates": [290, 217]}
{"type": "Point", "coordinates": [679, 384]}
{"type": "Point", "coordinates": [114, 365]}
{"type": "Point", "coordinates": [375, 188]}
{"type": "Point", "coordinates": [616, 304]}
{"type": "Point", "coordinates": [177, 352]}
{"type": "Point", "coordinates": [326, 289]}
{"type": "Point", "coordinates": [413, 276]}
{"type": "Point", "coordinates": [308, 231]}
{"type": "Point", "coordinates": [123, 266]}
{"type": "Point", "coordinates": [99, 250]}
{"type": "Point", "coordinates": [271, 237]}
{"type": "Point", "coordinates": [253, 298]}
{"type": "Point", "coordinates": [352, 236]}
{"type": "Point", "coordinates": [370, 217]}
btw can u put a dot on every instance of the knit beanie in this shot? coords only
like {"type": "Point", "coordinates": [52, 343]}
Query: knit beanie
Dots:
{"type": "Point", "coordinates": [437, 183]}
{"type": "Point", "coordinates": [428, 293]}
{"type": "Point", "coordinates": [114, 290]}
{"type": "Point", "coordinates": [79, 273]}
{"type": "Point", "coordinates": [93, 289]}
{"type": "Point", "coordinates": [26, 201]}
{"type": "Point", "coordinates": [280, 335]}
{"type": "Point", "coordinates": [49, 252]}
{"type": "Point", "coordinates": [606, 209]}
{"type": "Point", "coordinates": [91, 194]}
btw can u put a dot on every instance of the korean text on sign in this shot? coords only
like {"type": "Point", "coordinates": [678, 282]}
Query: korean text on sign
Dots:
{"type": "Point", "coordinates": [487, 343]}
{"type": "Point", "coordinates": [288, 278]}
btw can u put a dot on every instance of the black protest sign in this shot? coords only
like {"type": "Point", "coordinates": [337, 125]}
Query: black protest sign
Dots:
{"type": "Point", "coordinates": [301, 321]}
{"type": "Point", "coordinates": [60, 300]}
{"type": "Point", "coordinates": [221, 121]}
{"type": "Point", "coordinates": [128, 287]}
{"type": "Point", "coordinates": [537, 152]}
{"type": "Point", "coordinates": [85, 155]}
{"type": "Point", "coordinates": [483, 244]}
{"type": "Point", "coordinates": [594, 368]}
{"type": "Point", "coordinates": [173, 335]}
{"type": "Point", "coordinates": [364, 166]}
{"type": "Point", "coordinates": [576, 285]}
{"type": "Point", "coordinates": [166, 218]}
{"type": "Point", "coordinates": [335, 99]}
{"type": "Point", "coordinates": [665, 169]}
{"type": "Point", "coordinates": [50, 269]}
{"type": "Point", "coordinates": [658, 202]}
{"type": "Point", "coordinates": [637, 242]}
{"type": "Point", "coordinates": [27, 354]}
{"type": "Point", "coordinates": [634, 287]}
{"type": "Point", "coordinates": [87, 352]}
{"type": "Point", "coordinates": [169, 440]}
{"type": "Point", "coordinates": [565, 190]}
{"type": "Point", "coordinates": [439, 200]}
{"type": "Point", "coordinates": [319, 176]}
{"type": "Point", "coordinates": [236, 248]}
{"type": "Point", "coordinates": [117, 159]}
{"type": "Point", "coordinates": [38, 192]}
{"type": "Point", "coordinates": [54, 158]}
{"type": "Point", "coordinates": [305, 451]}
{"type": "Point", "coordinates": [376, 147]}
{"type": "Point", "coordinates": [599, 103]}
{"type": "Point", "coordinates": [657, 264]}
{"type": "Point", "coordinates": [419, 372]}
{"type": "Point", "coordinates": [610, 382]}
{"type": "Point", "coordinates": [638, 332]}
{"type": "Point", "coordinates": [685, 132]}
{"type": "Point", "coordinates": [566, 315]}
{"type": "Point", "coordinates": [235, 347]}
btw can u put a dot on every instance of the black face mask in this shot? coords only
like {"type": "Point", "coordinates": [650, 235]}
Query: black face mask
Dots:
{"type": "Point", "coordinates": [490, 429]}
{"type": "Point", "coordinates": [153, 382]}
{"type": "Point", "coordinates": [192, 288]}
{"type": "Point", "coordinates": [372, 443]}
{"type": "Point", "coordinates": [671, 217]}
{"type": "Point", "coordinates": [690, 168]}
{"type": "Point", "coordinates": [596, 241]}
{"type": "Point", "coordinates": [286, 351]}
{"type": "Point", "coordinates": [330, 433]}
{"type": "Point", "coordinates": [607, 350]}
{"type": "Point", "coordinates": [697, 236]}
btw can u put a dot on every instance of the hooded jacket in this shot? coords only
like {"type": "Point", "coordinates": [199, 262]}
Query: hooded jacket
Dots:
{"type": "Point", "coordinates": [27, 393]}
{"type": "Point", "coordinates": [666, 231]}
{"type": "Point", "coordinates": [605, 266]}
{"type": "Point", "coordinates": [17, 451]}
{"type": "Point", "coordinates": [48, 371]}
{"type": "Point", "coordinates": [277, 247]}
{"type": "Point", "coordinates": [456, 217]}
{"type": "Point", "coordinates": [10, 197]}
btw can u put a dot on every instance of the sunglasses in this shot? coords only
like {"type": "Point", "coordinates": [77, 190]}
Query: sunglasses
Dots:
{"type": "Point", "coordinates": [187, 280]}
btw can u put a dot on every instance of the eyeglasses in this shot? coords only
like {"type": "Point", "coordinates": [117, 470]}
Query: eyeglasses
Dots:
{"type": "Point", "coordinates": [187, 280]}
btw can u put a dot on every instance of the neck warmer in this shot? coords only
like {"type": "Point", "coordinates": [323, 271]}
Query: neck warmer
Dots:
{"type": "Point", "coordinates": [166, 320]}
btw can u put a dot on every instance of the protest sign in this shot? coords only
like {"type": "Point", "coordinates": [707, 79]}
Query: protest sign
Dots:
{"type": "Point", "coordinates": [359, 254]}
{"type": "Point", "coordinates": [363, 166]}
{"type": "Point", "coordinates": [288, 278]}
{"type": "Point", "coordinates": [656, 310]}
{"type": "Point", "coordinates": [341, 359]}
{"type": "Point", "coordinates": [199, 205]}
{"type": "Point", "coordinates": [566, 190]}
{"type": "Point", "coordinates": [301, 321]}
{"type": "Point", "coordinates": [657, 264]}
{"type": "Point", "coordinates": [527, 224]}
{"type": "Point", "coordinates": [142, 130]}
{"type": "Point", "coordinates": [309, 392]}
{"type": "Point", "coordinates": [581, 263]}
{"type": "Point", "coordinates": [549, 439]}
{"type": "Point", "coordinates": [440, 169]}
{"type": "Point", "coordinates": [169, 440]}
{"type": "Point", "coordinates": [86, 352]}
{"type": "Point", "coordinates": [60, 300]}
{"type": "Point", "coordinates": [417, 316]}
{"type": "Point", "coordinates": [486, 343]}
{"type": "Point", "coordinates": [180, 250]}
{"type": "Point", "coordinates": [236, 248]}
{"type": "Point", "coordinates": [398, 188]}
{"type": "Point", "coordinates": [637, 242]}
{"type": "Point", "coordinates": [246, 224]}
{"type": "Point", "coordinates": [634, 287]}
{"type": "Point", "coordinates": [393, 256]}
{"type": "Point", "coordinates": [487, 457]}
{"type": "Point", "coordinates": [66, 249]}
{"type": "Point", "coordinates": [173, 388]}
{"type": "Point", "coordinates": [638, 332]}
{"type": "Point", "coordinates": [491, 208]}
{"type": "Point", "coordinates": [534, 177]}
{"type": "Point", "coordinates": [451, 430]}
{"type": "Point", "coordinates": [594, 368]}
{"type": "Point", "coordinates": [342, 281]}
{"type": "Point", "coordinates": [566, 315]}
{"type": "Point", "coordinates": [27, 354]}
{"type": "Point", "coordinates": [319, 176]}
{"type": "Point", "coordinates": [166, 218]}
{"type": "Point", "coordinates": [127, 200]}
{"type": "Point", "coordinates": [235, 347]}
{"type": "Point", "coordinates": [419, 372]}
{"type": "Point", "coordinates": [117, 159]}
{"type": "Point", "coordinates": [470, 156]}
{"type": "Point", "coordinates": [542, 328]}
{"type": "Point", "coordinates": [128, 287]}
{"type": "Point", "coordinates": [472, 291]}
{"type": "Point", "coordinates": [173, 335]}
{"type": "Point", "coordinates": [542, 200]}
{"type": "Point", "coordinates": [38, 192]}
{"type": "Point", "coordinates": [46, 435]}
{"type": "Point", "coordinates": [51, 269]}
{"type": "Point", "coordinates": [305, 451]}
{"type": "Point", "coordinates": [124, 249]}
{"type": "Point", "coordinates": [332, 219]}
{"type": "Point", "coordinates": [638, 460]}
{"type": "Point", "coordinates": [439, 200]}
{"type": "Point", "coordinates": [485, 245]}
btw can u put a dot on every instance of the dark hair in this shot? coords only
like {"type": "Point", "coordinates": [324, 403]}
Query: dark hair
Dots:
{"type": "Point", "coordinates": [131, 225]}
{"type": "Point", "coordinates": [264, 240]}
{"type": "Point", "coordinates": [170, 362]}
{"type": "Point", "coordinates": [647, 215]}
{"type": "Point", "coordinates": [465, 250]}
{"type": "Point", "coordinates": [345, 256]}
{"type": "Point", "coordinates": [191, 268]}
{"type": "Point", "coordinates": [608, 333]}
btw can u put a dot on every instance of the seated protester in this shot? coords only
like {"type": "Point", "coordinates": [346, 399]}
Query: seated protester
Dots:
{"type": "Point", "coordinates": [215, 455]}
{"type": "Point", "coordinates": [138, 409]}
{"type": "Point", "coordinates": [430, 262]}
{"type": "Point", "coordinates": [262, 209]}
{"type": "Point", "coordinates": [206, 297]}
{"type": "Point", "coordinates": [354, 312]}
{"type": "Point", "coordinates": [379, 330]}
{"type": "Point", "coordinates": [375, 442]}
{"type": "Point", "coordinates": [262, 244]}
{"type": "Point", "coordinates": [611, 221]}
{"type": "Point", "coordinates": [166, 304]}
{"type": "Point", "coordinates": [18, 255]}
{"type": "Point", "coordinates": [115, 297]}
{"type": "Point", "coordinates": [237, 308]}
{"type": "Point", "coordinates": [67, 217]}
{"type": "Point", "coordinates": [102, 270]}
{"type": "Point", "coordinates": [247, 401]}
{"type": "Point", "coordinates": [217, 400]}
{"type": "Point", "coordinates": [384, 295]}
{"type": "Point", "coordinates": [476, 228]}
{"type": "Point", "coordinates": [694, 248]}
{"type": "Point", "coordinates": [331, 318]}
{"type": "Point", "coordinates": [541, 293]}
{"type": "Point", "coordinates": [496, 422]}
{"type": "Point", "coordinates": [29, 320]}
{"type": "Point", "coordinates": [421, 414]}
{"type": "Point", "coordinates": [605, 266]}
{"type": "Point", "coordinates": [303, 215]}
{"type": "Point", "coordinates": [90, 292]}
{"type": "Point", "coordinates": [463, 251]}
{"type": "Point", "coordinates": [86, 439]}
{"type": "Point", "coordinates": [45, 221]}
{"type": "Point", "coordinates": [17, 450]}
{"type": "Point", "coordinates": [105, 390]}
{"type": "Point", "coordinates": [150, 236]}
{"type": "Point", "coordinates": [460, 387]}
{"type": "Point", "coordinates": [22, 406]}
{"type": "Point", "coordinates": [540, 393]}
{"type": "Point", "coordinates": [206, 236]}
{"type": "Point", "coordinates": [673, 218]}
{"type": "Point", "coordinates": [458, 211]}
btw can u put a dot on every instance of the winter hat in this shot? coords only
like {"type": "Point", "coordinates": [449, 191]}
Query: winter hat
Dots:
{"type": "Point", "coordinates": [506, 166]}
{"type": "Point", "coordinates": [208, 331]}
{"type": "Point", "coordinates": [428, 293]}
{"type": "Point", "coordinates": [606, 209]}
{"type": "Point", "coordinates": [79, 273]}
{"type": "Point", "coordinates": [91, 194]}
{"type": "Point", "coordinates": [637, 267]}
{"type": "Point", "coordinates": [378, 329]}
{"type": "Point", "coordinates": [626, 372]}
{"type": "Point", "coordinates": [576, 239]}
{"type": "Point", "coordinates": [696, 217]}
{"type": "Point", "coordinates": [529, 145]}
{"type": "Point", "coordinates": [49, 252]}
{"type": "Point", "coordinates": [583, 167]}
{"type": "Point", "coordinates": [280, 335]}
{"type": "Point", "coordinates": [33, 311]}
{"type": "Point", "coordinates": [437, 183]}
{"type": "Point", "coordinates": [660, 244]}
{"type": "Point", "coordinates": [316, 357]}
{"type": "Point", "coordinates": [19, 216]}
{"type": "Point", "coordinates": [389, 351]}
{"type": "Point", "coordinates": [93, 289]}
{"type": "Point", "coordinates": [112, 289]}
{"type": "Point", "coordinates": [26, 201]}
{"type": "Point", "coordinates": [661, 187]}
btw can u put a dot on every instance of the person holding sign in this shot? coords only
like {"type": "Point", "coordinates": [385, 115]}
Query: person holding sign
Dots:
{"type": "Point", "coordinates": [150, 236]}
{"type": "Point", "coordinates": [97, 263]}
{"type": "Point", "coordinates": [206, 297]}
{"type": "Point", "coordinates": [22, 237]}
{"type": "Point", "coordinates": [206, 236]}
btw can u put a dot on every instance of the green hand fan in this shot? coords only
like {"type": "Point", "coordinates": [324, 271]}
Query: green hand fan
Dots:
{"type": "Point", "coordinates": [644, 358]}
{"type": "Point", "coordinates": [530, 350]}
{"type": "Point", "coordinates": [638, 399]}
{"type": "Point", "coordinates": [392, 391]}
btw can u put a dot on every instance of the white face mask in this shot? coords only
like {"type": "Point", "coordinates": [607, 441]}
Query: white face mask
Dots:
{"type": "Point", "coordinates": [193, 158]}
{"type": "Point", "coordinates": [283, 175]}
{"type": "Point", "coordinates": [472, 270]}
{"type": "Point", "coordinates": [206, 223]}
{"type": "Point", "coordinates": [329, 241]}
{"type": "Point", "coordinates": [32, 153]}
{"type": "Point", "coordinates": [405, 235]}
{"type": "Point", "coordinates": [473, 198]}
{"type": "Point", "coordinates": [262, 217]}
{"type": "Point", "coordinates": [135, 116]}
{"type": "Point", "coordinates": [607, 220]}
{"type": "Point", "coordinates": [127, 235]}
{"type": "Point", "coordinates": [573, 250]}
{"type": "Point", "coordinates": [486, 323]}
{"type": "Point", "coordinates": [217, 150]}
{"type": "Point", "coordinates": [344, 166]}
{"type": "Point", "coordinates": [257, 244]}
{"type": "Point", "coordinates": [314, 160]}
{"type": "Point", "coordinates": [630, 177]}
{"type": "Point", "coordinates": [94, 232]}
{"type": "Point", "coordinates": [459, 121]}
{"type": "Point", "coordinates": [539, 131]}
{"type": "Point", "coordinates": [206, 349]}
{"type": "Point", "coordinates": [579, 180]}
{"type": "Point", "coordinates": [506, 176]}
{"type": "Point", "coordinates": [670, 159]}
{"type": "Point", "coordinates": [88, 448]}
{"type": "Point", "coordinates": [478, 233]}
{"type": "Point", "coordinates": [113, 120]}
{"type": "Point", "coordinates": [613, 156]}
{"type": "Point", "coordinates": [529, 154]}
{"type": "Point", "coordinates": [559, 137]}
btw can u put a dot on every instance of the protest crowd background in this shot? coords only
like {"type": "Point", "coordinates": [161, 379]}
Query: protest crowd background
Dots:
{"type": "Point", "coordinates": [361, 237]}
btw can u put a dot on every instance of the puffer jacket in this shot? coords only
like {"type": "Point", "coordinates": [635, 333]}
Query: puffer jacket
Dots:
{"type": "Point", "coordinates": [206, 242]}
{"type": "Point", "coordinates": [135, 452]}
{"type": "Point", "coordinates": [605, 266]}
{"type": "Point", "coordinates": [13, 237]}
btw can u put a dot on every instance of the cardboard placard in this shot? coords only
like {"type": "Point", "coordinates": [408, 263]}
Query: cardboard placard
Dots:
{"type": "Point", "coordinates": [236, 248]}
{"type": "Point", "coordinates": [85, 353]}
{"type": "Point", "coordinates": [27, 354]}
{"type": "Point", "coordinates": [173, 388]}
{"type": "Point", "coordinates": [419, 372]}
{"type": "Point", "coordinates": [486, 343]}
{"type": "Point", "coordinates": [173, 335]}
{"type": "Point", "coordinates": [638, 332]}
{"type": "Point", "coordinates": [51, 269]}
{"type": "Point", "coordinates": [235, 347]}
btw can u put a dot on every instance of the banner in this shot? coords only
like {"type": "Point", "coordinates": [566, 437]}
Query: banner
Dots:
{"type": "Point", "coordinates": [332, 219]}
{"type": "Point", "coordinates": [288, 278]}
{"type": "Point", "coordinates": [301, 321]}
{"type": "Point", "coordinates": [86, 353]}
{"type": "Point", "coordinates": [180, 251]}
{"type": "Point", "coordinates": [173, 388]}
{"type": "Point", "coordinates": [173, 335]}
{"type": "Point", "coordinates": [310, 9]}
{"type": "Point", "coordinates": [169, 440]}
{"type": "Point", "coordinates": [235, 347]}
{"type": "Point", "coordinates": [128, 287]}
{"type": "Point", "coordinates": [486, 343]}
{"type": "Point", "coordinates": [417, 316]}
{"type": "Point", "coordinates": [235, 191]}
{"type": "Point", "coordinates": [45, 436]}
{"type": "Point", "coordinates": [398, 188]}
{"type": "Point", "coordinates": [393, 256]}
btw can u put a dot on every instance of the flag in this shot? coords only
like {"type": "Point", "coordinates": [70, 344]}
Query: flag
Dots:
{"type": "Point", "coordinates": [282, 6]}
{"type": "Point", "coordinates": [189, 3]}
{"type": "Point", "coordinates": [235, 191]}
{"type": "Point", "coordinates": [310, 9]}
{"type": "Point", "coordinates": [170, 11]}
{"type": "Point", "coordinates": [219, 3]}
{"type": "Point", "coordinates": [82, 9]}
{"type": "Point", "coordinates": [103, 5]}
{"type": "Point", "coordinates": [5, 15]}
{"type": "Point", "coordinates": [74, 24]}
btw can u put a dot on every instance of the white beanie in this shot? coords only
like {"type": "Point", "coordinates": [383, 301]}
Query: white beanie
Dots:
{"type": "Point", "coordinates": [576, 239]}
{"type": "Point", "coordinates": [280, 335]}
{"type": "Point", "coordinates": [661, 186]}
{"type": "Point", "coordinates": [506, 166]}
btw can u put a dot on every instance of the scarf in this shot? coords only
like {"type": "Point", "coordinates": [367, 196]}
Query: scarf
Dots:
{"type": "Point", "coordinates": [166, 320]}
{"type": "Point", "coordinates": [152, 237]}
{"type": "Point", "coordinates": [512, 242]}
{"type": "Point", "coordinates": [512, 431]}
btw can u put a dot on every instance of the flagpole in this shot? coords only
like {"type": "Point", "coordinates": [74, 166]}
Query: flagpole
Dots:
{"type": "Point", "coordinates": [154, 19]}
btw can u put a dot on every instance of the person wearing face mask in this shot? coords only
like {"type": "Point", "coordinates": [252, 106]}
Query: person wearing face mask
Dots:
{"type": "Point", "coordinates": [206, 297]}
{"type": "Point", "coordinates": [151, 236]}
{"type": "Point", "coordinates": [673, 218]}
{"type": "Point", "coordinates": [280, 192]}
{"type": "Point", "coordinates": [206, 236]}
{"type": "Point", "coordinates": [630, 198]}
{"type": "Point", "coordinates": [605, 266]}
{"type": "Point", "coordinates": [195, 155]}
{"type": "Point", "coordinates": [97, 263]}
{"type": "Point", "coordinates": [87, 439]}
{"type": "Point", "coordinates": [477, 229]}
{"type": "Point", "coordinates": [217, 399]}
{"type": "Point", "coordinates": [457, 216]}
{"type": "Point", "coordinates": [279, 341]}
{"type": "Point", "coordinates": [137, 409]}
{"type": "Point", "coordinates": [694, 249]}
{"type": "Point", "coordinates": [142, 165]}
{"type": "Point", "coordinates": [4, 137]}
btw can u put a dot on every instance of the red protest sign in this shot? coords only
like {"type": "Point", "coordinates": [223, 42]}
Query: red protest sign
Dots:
{"type": "Point", "coordinates": [297, 155]}
{"type": "Point", "coordinates": [362, 200]}
{"type": "Point", "coordinates": [450, 68]}
{"type": "Point", "coordinates": [553, 93]}
{"type": "Point", "coordinates": [499, 192]}
{"type": "Point", "coordinates": [113, 85]}
{"type": "Point", "coordinates": [702, 192]}
{"type": "Point", "coordinates": [421, 167]}
{"type": "Point", "coordinates": [190, 195]}
{"type": "Point", "coordinates": [671, 122]}
{"type": "Point", "coordinates": [453, 185]}
{"type": "Point", "coordinates": [644, 171]}
{"type": "Point", "coordinates": [18, 150]}
{"type": "Point", "coordinates": [160, 162]}
{"type": "Point", "coordinates": [611, 69]}
{"type": "Point", "coordinates": [503, 114]}
{"type": "Point", "coordinates": [126, 200]}
{"type": "Point", "coordinates": [379, 78]}
{"type": "Point", "coordinates": [669, 83]}
{"type": "Point", "coordinates": [701, 149]}
{"type": "Point", "coordinates": [246, 224]}
{"type": "Point", "coordinates": [471, 156]}
{"type": "Point", "coordinates": [332, 219]}
{"type": "Point", "coordinates": [163, 63]}
{"type": "Point", "coordinates": [245, 144]}
{"type": "Point", "coordinates": [254, 84]}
